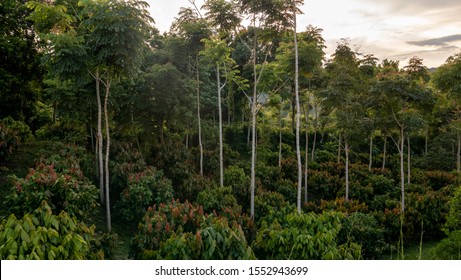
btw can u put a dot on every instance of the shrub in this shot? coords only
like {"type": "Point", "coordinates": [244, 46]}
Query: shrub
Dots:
{"type": "Point", "coordinates": [12, 133]}
{"type": "Point", "coordinates": [342, 205]}
{"type": "Point", "coordinates": [144, 189]}
{"type": "Point", "coordinates": [364, 230]}
{"type": "Point", "coordinates": [216, 199]}
{"type": "Point", "coordinates": [449, 248]}
{"type": "Point", "coordinates": [62, 191]}
{"type": "Point", "coordinates": [182, 231]}
{"type": "Point", "coordinates": [239, 182]}
{"type": "Point", "coordinates": [302, 237]}
{"type": "Point", "coordinates": [43, 235]}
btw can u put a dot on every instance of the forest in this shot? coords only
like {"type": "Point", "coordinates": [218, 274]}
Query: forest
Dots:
{"type": "Point", "coordinates": [231, 136]}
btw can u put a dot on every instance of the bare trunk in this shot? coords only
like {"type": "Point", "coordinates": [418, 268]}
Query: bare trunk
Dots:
{"type": "Point", "coordinates": [221, 161]}
{"type": "Point", "coordinates": [458, 154]}
{"type": "Point", "coordinates": [280, 137]}
{"type": "Point", "coordinates": [426, 140]}
{"type": "Point", "coordinates": [253, 125]}
{"type": "Point", "coordinates": [408, 160]}
{"type": "Point", "coordinates": [346, 150]}
{"type": "Point", "coordinates": [106, 117]}
{"type": "Point", "coordinates": [100, 155]}
{"type": "Point", "coordinates": [298, 113]}
{"type": "Point", "coordinates": [313, 143]}
{"type": "Point", "coordinates": [384, 152]}
{"type": "Point", "coordinates": [200, 145]}
{"type": "Point", "coordinates": [402, 170]}
{"type": "Point", "coordinates": [339, 148]}
{"type": "Point", "coordinates": [370, 161]}
{"type": "Point", "coordinates": [306, 159]}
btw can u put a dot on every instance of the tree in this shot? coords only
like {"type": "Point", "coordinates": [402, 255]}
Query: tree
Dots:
{"type": "Point", "coordinates": [194, 28]}
{"type": "Point", "coordinates": [447, 79]}
{"type": "Point", "coordinates": [269, 16]}
{"type": "Point", "coordinates": [20, 71]}
{"type": "Point", "coordinates": [401, 100]}
{"type": "Point", "coordinates": [345, 96]}
{"type": "Point", "coordinates": [218, 54]}
{"type": "Point", "coordinates": [106, 43]}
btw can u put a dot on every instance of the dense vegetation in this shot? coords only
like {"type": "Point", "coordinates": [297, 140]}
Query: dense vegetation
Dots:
{"type": "Point", "coordinates": [218, 141]}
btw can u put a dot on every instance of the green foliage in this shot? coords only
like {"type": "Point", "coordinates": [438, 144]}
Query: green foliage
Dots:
{"type": "Point", "coordinates": [218, 198]}
{"type": "Point", "coordinates": [364, 230]}
{"type": "Point", "coordinates": [449, 248]}
{"type": "Point", "coordinates": [45, 236]}
{"type": "Point", "coordinates": [239, 182]}
{"type": "Point", "coordinates": [454, 215]}
{"type": "Point", "coordinates": [303, 237]}
{"type": "Point", "coordinates": [63, 191]}
{"type": "Point", "coordinates": [144, 189]}
{"type": "Point", "coordinates": [182, 231]}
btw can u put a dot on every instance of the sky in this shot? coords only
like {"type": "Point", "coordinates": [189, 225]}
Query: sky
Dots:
{"type": "Point", "coordinates": [392, 29]}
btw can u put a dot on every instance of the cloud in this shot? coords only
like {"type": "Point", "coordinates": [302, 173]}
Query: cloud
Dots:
{"type": "Point", "coordinates": [442, 41]}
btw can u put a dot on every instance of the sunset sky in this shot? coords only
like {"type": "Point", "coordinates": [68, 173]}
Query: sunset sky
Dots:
{"type": "Point", "coordinates": [394, 29]}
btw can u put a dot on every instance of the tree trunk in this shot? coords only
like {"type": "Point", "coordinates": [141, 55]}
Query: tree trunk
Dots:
{"type": "Point", "coordinates": [253, 125]}
{"type": "Point", "coordinates": [384, 152]}
{"type": "Point", "coordinates": [339, 148]}
{"type": "Point", "coordinates": [458, 154]}
{"type": "Point", "coordinates": [200, 145]}
{"type": "Point", "coordinates": [426, 141]}
{"type": "Point", "coordinates": [346, 150]}
{"type": "Point", "coordinates": [402, 170]}
{"type": "Point", "coordinates": [306, 159]}
{"type": "Point", "coordinates": [298, 113]}
{"type": "Point", "coordinates": [280, 137]}
{"type": "Point", "coordinates": [408, 160]}
{"type": "Point", "coordinates": [106, 117]}
{"type": "Point", "coordinates": [100, 155]}
{"type": "Point", "coordinates": [370, 161]}
{"type": "Point", "coordinates": [221, 161]}
{"type": "Point", "coordinates": [313, 142]}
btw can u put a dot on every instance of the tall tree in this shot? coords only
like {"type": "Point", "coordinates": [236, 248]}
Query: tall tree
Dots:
{"type": "Point", "coordinates": [107, 43]}
{"type": "Point", "coordinates": [218, 54]}
{"type": "Point", "coordinates": [447, 79]}
{"type": "Point", "coordinates": [401, 99]}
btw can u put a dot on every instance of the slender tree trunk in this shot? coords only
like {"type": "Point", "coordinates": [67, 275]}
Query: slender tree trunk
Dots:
{"type": "Point", "coordinates": [106, 117]}
{"type": "Point", "coordinates": [384, 152]}
{"type": "Point", "coordinates": [339, 148]}
{"type": "Point", "coordinates": [370, 161]}
{"type": "Point", "coordinates": [426, 141]}
{"type": "Point", "coordinates": [408, 160]}
{"type": "Point", "coordinates": [200, 145]}
{"type": "Point", "coordinates": [221, 161]}
{"type": "Point", "coordinates": [402, 170]}
{"type": "Point", "coordinates": [253, 124]}
{"type": "Point", "coordinates": [458, 153]}
{"type": "Point", "coordinates": [346, 150]}
{"type": "Point", "coordinates": [298, 114]}
{"type": "Point", "coordinates": [306, 159]}
{"type": "Point", "coordinates": [313, 142]}
{"type": "Point", "coordinates": [99, 137]}
{"type": "Point", "coordinates": [280, 137]}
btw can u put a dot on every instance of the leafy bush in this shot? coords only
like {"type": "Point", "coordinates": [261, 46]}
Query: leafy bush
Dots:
{"type": "Point", "coordinates": [12, 133]}
{"type": "Point", "coordinates": [342, 205]}
{"type": "Point", "coordinates": [267, 203]}
{"type": "Point", "coordinates": [364, 230]}
{"type": "Point", "coordinates": [449, 248]}
{"type": "Point", "coordinates": [216, 199]}
{"type": "Point", "coordinates": [62, 191]}
{"type": "Point", "coordinates": [239, 182]}
{"type": "Point", "coordinates": [144, 189]}
{"type": "Point", "coordinates": [43, 235]}
{"type": "Point", "coordinates": [303, 237]}
{"type": "Point", "coordinates": [453, 222]}
{"type": "Point", "coordinates": [182, 231]}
